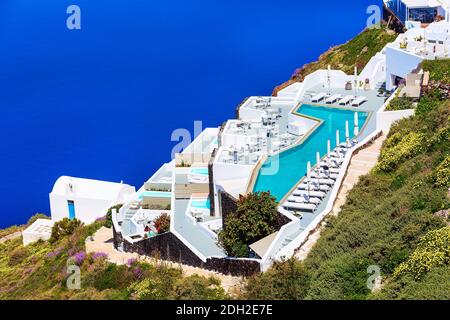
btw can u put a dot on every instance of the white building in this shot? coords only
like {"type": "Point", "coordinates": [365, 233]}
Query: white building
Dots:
{"type": "Point", "coordinates": [413, 47]}
{"type": "Point", "coordinates": [422, 11]}
{"type": "Point", "coordinates": [86, 200]}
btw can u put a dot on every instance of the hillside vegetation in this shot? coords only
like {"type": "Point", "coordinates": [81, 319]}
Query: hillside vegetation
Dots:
{"type": "Point", "coordinates": [355, 53]}
{"type": "Point", "coordinates": [395, 219]}
{"type": "Point", "coordinates": [40, 271]}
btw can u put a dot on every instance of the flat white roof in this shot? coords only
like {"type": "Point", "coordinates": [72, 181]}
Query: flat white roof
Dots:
{"type": "Point", "coordinates": [423, 3]}
{"type": "Point", "coordinates": [40, 227]}
{"type": "Point", "coordinates": [87, 188]}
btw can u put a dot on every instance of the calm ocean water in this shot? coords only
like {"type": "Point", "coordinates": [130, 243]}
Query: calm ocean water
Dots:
{"type": "Point", "coordinates": [102, 102]}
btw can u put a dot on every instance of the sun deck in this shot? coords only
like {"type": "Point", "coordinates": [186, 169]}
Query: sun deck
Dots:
{"type": "Point", "coordinates": [194, 233]}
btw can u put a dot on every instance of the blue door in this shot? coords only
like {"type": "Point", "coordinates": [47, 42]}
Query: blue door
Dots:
{"type": "Point", "coordinates": [71, 206]}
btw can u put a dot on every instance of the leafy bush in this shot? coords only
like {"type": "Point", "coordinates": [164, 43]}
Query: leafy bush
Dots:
{"type": "Point", "coordinates": [162, 223]}
{"type": "Point", "coordinates": [157, 285]}
{"type": "Point", "coordinates": [108, 220]}
{"type": "Point", "coordinates": [439, 69]}
{"type": "Point", "coordinates": [428, 102]}
{"type": "Point", "coordinates": [198, 288]}
{"type": "Point", "coordinates": [17, 256]}
{"type": "Point", "coordinates": [433, 250]}
{"type": "Point", "coordinates": [64, 228]}
{"type": "Point", "coordinates": [443, 173]}
{"type": "Point", "coordinates": [408, 146]}
{"type": "Point", "coordinates": [283, 281]}
{"type": "Point", "coordinates": [255, 218]}
{"type": "Point", "coordinates": [400, 103]}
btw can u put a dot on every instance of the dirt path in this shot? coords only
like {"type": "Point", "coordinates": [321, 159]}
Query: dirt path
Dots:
{"type": "Point", "coordinates": [11, 236]}
{"type": "Point", "coordinates": [103, 242]}
{"type": "Point", "coordinates": [360, 165]}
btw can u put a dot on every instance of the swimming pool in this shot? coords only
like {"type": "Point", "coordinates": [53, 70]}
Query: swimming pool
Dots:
{"type": "Point", "coordinates": [200, 171]}
{"type": "Point", "coordinates": [155, 194]}
{"type": "Point", "coordinates": [293, 162]}
{"type": "Point", "coordinates": [201, 204]}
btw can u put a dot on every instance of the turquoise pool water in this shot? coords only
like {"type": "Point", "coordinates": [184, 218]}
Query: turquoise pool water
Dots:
{"type": "Point", "coordinates": [292, 163]}
{"type": "Point", "coordinates": [201, 204]}
{"type": "Point", "coordinates": [200, 171]}
{"type": "Point", "coordinates": [155, 194]}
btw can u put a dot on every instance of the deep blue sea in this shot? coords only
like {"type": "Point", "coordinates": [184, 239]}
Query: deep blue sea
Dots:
{"type": "Point", "coordinates": [102, 102]}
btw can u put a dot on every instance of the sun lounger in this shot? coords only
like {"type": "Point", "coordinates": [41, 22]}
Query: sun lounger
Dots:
{"type": "Point", "coordinates": [304, 193]}
{"type": "Point", "coordinates": [318, 97]}
{"type": "Point", "coordinates": [330, 169]}
{"type": "Point", "coordinates": [304, 200]}
{"type": "Point", "coordinates": [346, 100]}
{"type": "Point", "coordinates": [324, 176]}
{"type": "Point", "coordinates": [359, 101]}
{"type": "Point", "coordinates": [333, 98]}
{"type": "Point", "coordinates": [304, 187]}
{"type": "Point", "coordinates": [300, 206]}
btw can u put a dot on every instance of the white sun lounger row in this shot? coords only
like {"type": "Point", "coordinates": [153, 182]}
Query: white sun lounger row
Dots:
{"type": "Point", "coordinates": [323, 176]}
{"type": "Point", "coordinates": [313, 187]}
{"type": "Point", "coordinates": [334, 170]}
{"type": "Point", "coordinates": [306, 199]}
{"type": "Point", "coordinates": [304, 193]}
{"type": "Point", "coordinates": [300, 206]}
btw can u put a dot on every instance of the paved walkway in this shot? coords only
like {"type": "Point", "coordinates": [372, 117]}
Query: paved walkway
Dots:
{"type": "Point", "coordinates": [103, 242]}
{"type": "Point", "coordinates": [11, 236]}
{"type": "Point", "coordinates": [360, 165]}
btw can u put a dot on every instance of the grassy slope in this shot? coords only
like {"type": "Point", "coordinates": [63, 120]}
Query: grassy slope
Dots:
{"type": "Point", "coordinates": [381, 223]}
{"type": "Point", "coordinates": [357, 52]}
{"type": "Point", "coordinates": [39, 271]}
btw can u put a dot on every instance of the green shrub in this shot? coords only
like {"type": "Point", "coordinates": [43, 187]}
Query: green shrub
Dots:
{"type": "Point", "coordinates": [17, 256]}
{"type": "Point", "coordinates": [410, 145]}
{"type": "Point", "coordinates": [288, 280]}
{"type": "Point", "coordinates": [108, 220]}
{"type": "Point", "coordinates": [428, 102]}
{"type": "Point", "coordinates": [256, 217]}
{"type": "Point", "coordinates": [162, 223]}
{"type": "Point", "coordinates": [64, 228]}
{"type": "Point", "coordinates": [432, 251]}
{"type": "Point", "coordinates": [439, 69]}
{"type": "Point", "coordinates": [196, 287]}
{"type": "Point", "coordinates": [443, 173]}
{"type": "Point", "coordinates": [157, 285]}
{"type": "Point", "coordinates": [400, 103]}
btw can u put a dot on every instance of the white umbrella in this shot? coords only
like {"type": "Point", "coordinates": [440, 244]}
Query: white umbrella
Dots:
{"type": "Point", "coordinates": [356, 130]}
{"type": "Point", "coordinates": [329, 153]}
{"type": "Point", "coordinates": [356, 81]}
{"type": "Point", "coordinates": [308, 176]}
{"type": "Point", "coordinates": [318, 167]}
{"type": "Point", "coordinates": [338, 143]}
